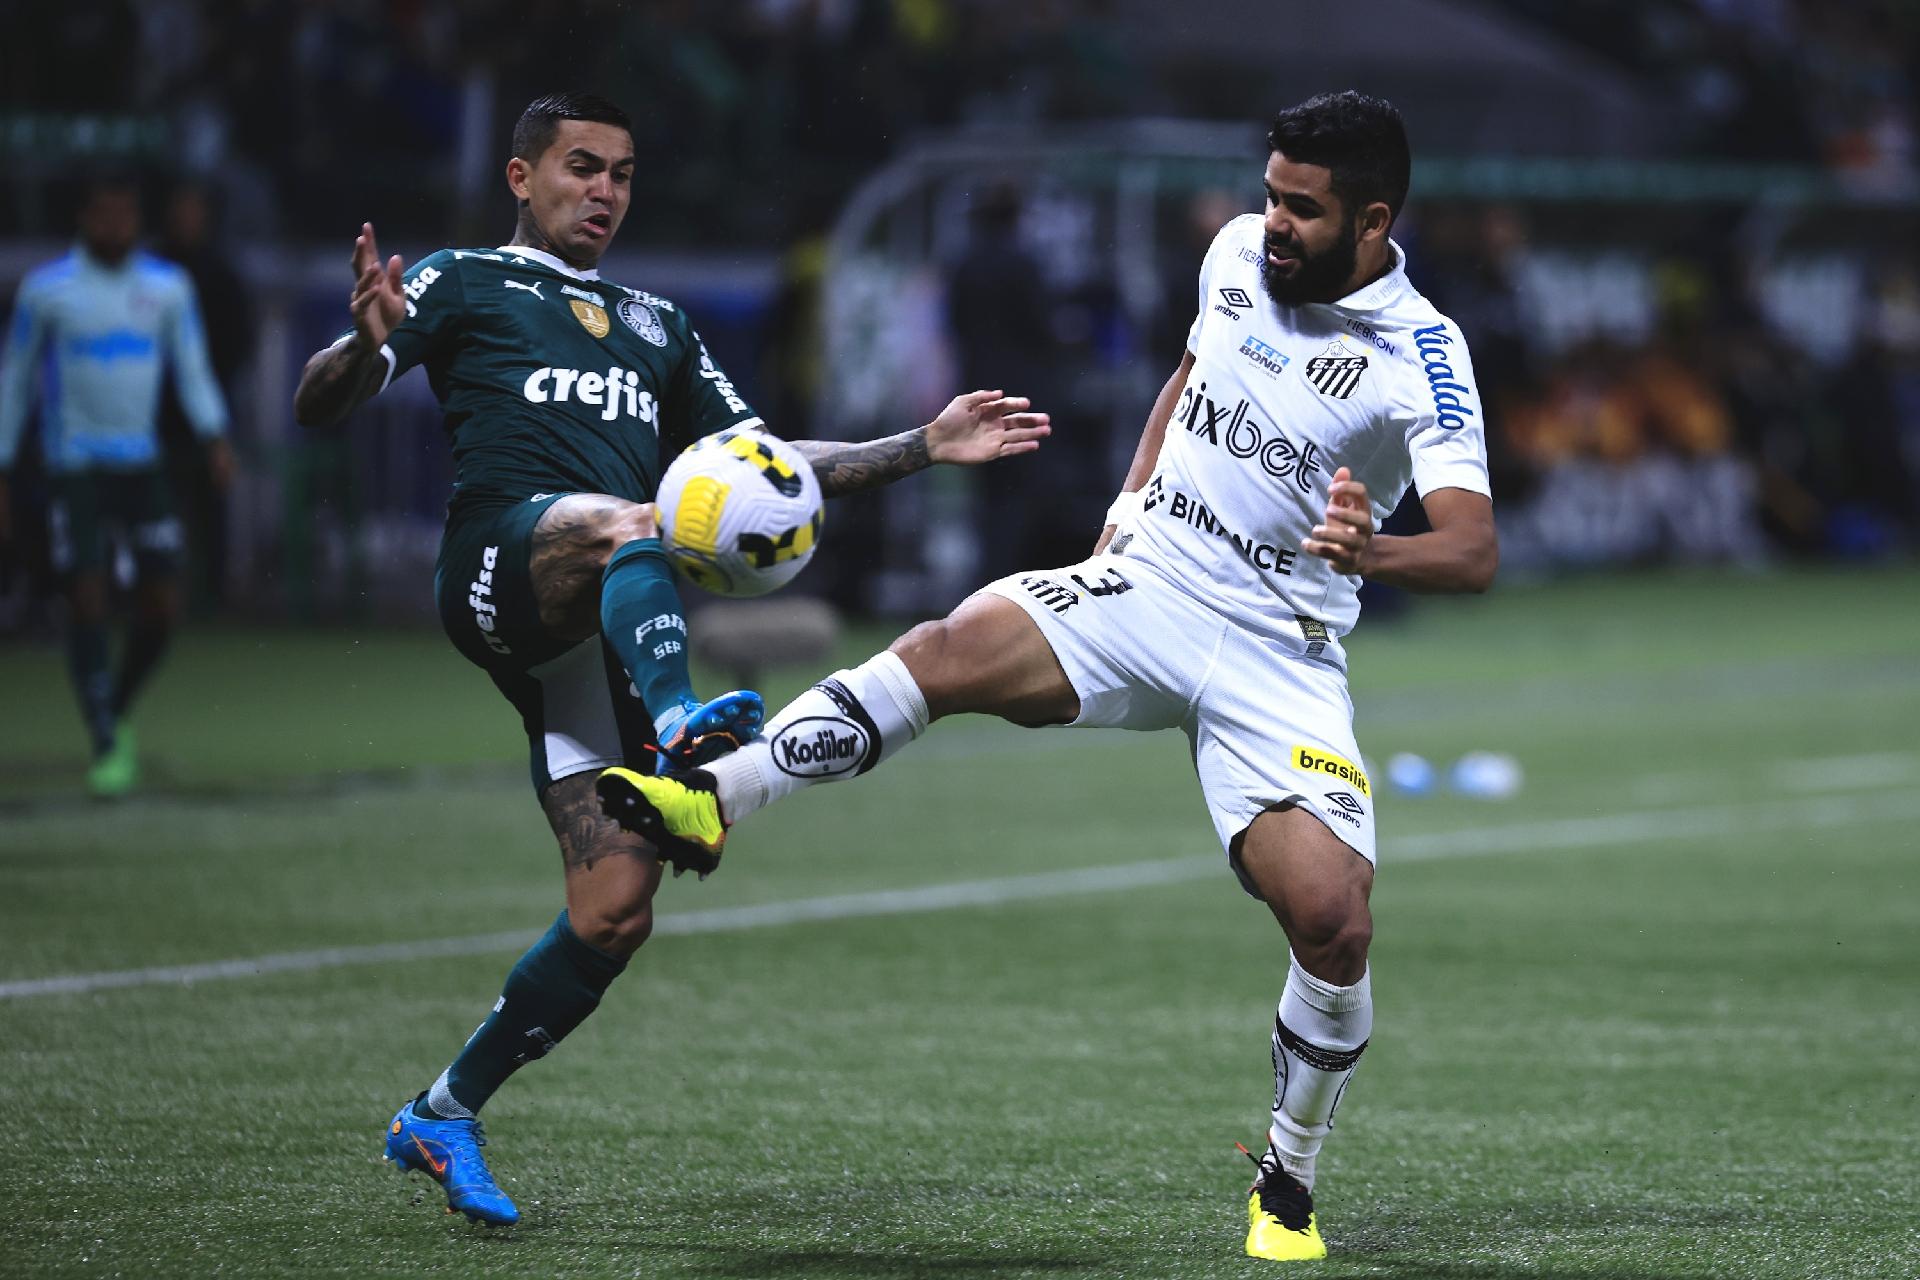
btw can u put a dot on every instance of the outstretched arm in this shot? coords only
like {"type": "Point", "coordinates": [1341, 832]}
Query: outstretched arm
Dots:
{"type": "Point", "coordinates": [342, 377]}
{"type": "Point", "coordinates": [1460, 554]}
{"type": "Point", "coordinates": [977, 427]}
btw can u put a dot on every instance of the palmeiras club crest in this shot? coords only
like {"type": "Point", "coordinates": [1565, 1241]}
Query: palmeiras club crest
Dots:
{"type": "Point", "coordinates": [643, 320]}
{"type": "Point", "coordinates": [1336, 371]}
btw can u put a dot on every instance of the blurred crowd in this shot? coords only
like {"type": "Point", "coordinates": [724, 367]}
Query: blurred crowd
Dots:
{"type": "Point", "coordinates": [1806, 81]}
{"type": "Point", "coordinates": [1699, 430]}
{"type": "Point", "coordinates": [766, 111]}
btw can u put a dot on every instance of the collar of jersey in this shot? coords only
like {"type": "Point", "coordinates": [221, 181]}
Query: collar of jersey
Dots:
{"type": "Point", "coordinates": [549, 261]}
{"type": "Point", "coordinates": [1383, 291]}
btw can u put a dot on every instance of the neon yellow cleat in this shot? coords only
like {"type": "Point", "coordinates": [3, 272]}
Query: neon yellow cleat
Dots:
{"type": "Point", "coordinates": [1281, 1223]}
{"type": "Point", "coordinates": [116, 773]}
{"type": "Point", "coordinates": [678, 813]}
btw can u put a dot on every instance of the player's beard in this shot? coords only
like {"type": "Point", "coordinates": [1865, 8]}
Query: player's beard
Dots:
{"type": "Point", "coordinates": [1320, 277]}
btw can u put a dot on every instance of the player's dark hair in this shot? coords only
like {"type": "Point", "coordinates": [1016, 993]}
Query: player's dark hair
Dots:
{"type": "Point", "coordinates": [1357, 137]}
{"type": "Point", "coordinates": [538, 124]}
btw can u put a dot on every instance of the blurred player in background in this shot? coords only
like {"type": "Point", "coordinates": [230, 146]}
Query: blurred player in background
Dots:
{"type": "Point", "coordinates": [565, 396]}
{"type": "Point", "coordinates": [1317, 386]}
{"type": "Point", "coordinates": [94, 331]}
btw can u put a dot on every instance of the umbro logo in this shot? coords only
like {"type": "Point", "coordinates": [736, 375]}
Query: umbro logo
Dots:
{"type": "Point", "coordinates": [1336, 371]}
{"type": "Point", "coordinates": [533, 288]}
{"type": "Point", "coordinates": [1232, 302]}
{"type": "Point", "coordinates": [1346, 807]}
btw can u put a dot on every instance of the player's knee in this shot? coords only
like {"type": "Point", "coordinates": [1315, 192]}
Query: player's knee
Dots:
{"type": "Point", "coordinates": [1333, 931]}
{"type": "Point", "coordinates": [929, 651]}
{"type": "Point", "coordinates": [617, 929]}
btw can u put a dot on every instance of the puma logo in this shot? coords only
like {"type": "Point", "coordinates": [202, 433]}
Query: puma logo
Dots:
{"type": "Point", "coordinates": [533, 288]}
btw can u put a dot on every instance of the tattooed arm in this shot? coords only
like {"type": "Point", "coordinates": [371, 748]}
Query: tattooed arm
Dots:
{"type": "Point", "coordinates": [977, 427]}
{"type": "Point", "coordinates": [849, 468]}
{"type": "Point", "coordinates": [339, 379]}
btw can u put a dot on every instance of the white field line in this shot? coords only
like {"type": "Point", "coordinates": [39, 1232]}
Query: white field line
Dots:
{"type": "Point", "coordinates": [1631, 827]}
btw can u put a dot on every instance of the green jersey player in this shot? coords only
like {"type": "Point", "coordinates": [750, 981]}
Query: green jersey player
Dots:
{"type": "Point", "coordinates": [564, 397]}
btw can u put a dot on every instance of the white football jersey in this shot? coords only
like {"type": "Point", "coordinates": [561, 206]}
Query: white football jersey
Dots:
{"type": "Point", "coordinates": [1280, 397]}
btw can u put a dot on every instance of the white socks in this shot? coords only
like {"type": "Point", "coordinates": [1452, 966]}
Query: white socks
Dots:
{"type": "Point", "coordinates": [1319, 1033]}
{"type": "Point", "coordinates": [841, 727]}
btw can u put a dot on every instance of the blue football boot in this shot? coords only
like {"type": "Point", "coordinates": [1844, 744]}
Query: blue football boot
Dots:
{"type": "Point", "coordinates": [705, 731]}
{"type": "Point", "coordinates": [448, 1151]}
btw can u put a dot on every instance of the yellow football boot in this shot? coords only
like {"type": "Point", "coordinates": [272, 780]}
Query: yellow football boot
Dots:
{"type": "Point", "coordinates": [678, 813]}
{"type": "Point", "coordinates": [1280, 1219]}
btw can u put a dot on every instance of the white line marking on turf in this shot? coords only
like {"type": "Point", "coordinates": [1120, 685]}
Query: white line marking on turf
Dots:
{"type": "Point", "coordinates": [1599, 831]}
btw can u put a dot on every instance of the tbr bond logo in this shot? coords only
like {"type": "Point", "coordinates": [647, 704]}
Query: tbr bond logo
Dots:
{"type": "Point", "coordinates": [1314, 760]}
{"type": "Point", "coordinates": [819, 747]}
{"type": "Point", "coordinates": [1336, 371]}
{"type": "Point", "coordinates": [1271, 361]}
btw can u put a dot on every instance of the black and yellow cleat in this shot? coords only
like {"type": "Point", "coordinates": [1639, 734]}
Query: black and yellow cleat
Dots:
{"type": "Point", "coordinates": [1280, 1219]}
{"type": "Point", "coordinates": [677, 812]}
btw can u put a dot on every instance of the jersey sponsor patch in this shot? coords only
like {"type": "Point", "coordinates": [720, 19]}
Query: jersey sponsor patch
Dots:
{"type": "Point", "coordinates": [1326, 763]}
{"type": "Point", "coordinates": [614, 392]}
{"type": "Point", "coordinates": [1268, 359]}
{"type": "Point", "coordinates": [591, 318]}
{"type": "Point", "coordinates": [1265, 556]}
{"type": "Point", "coordinates": [1336, 371]}
{"type": "Point", "coordinates": [417, 286]}
{"type": "Point", "coordinates": [643, 320]}
{"type": "Point", "coordinates": [1449, 410]}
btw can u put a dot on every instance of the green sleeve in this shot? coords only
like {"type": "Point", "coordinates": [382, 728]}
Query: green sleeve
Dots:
{"type": "Point", "coordinates": [435, 304]}
{"type": "Point", "coordinates": [700, 399]}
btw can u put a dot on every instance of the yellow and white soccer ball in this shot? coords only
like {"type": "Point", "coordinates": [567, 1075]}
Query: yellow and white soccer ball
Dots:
{"type": "Point", "coordinates": [740, 512]}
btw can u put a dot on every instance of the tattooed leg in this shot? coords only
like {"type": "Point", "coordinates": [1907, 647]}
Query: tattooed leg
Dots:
{"type": "Point", "coordinates": [611, 873]}
{"type": "Point", "coordinates": [572, 543]}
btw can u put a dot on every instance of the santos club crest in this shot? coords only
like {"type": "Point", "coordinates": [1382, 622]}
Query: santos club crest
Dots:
{"type": "Point", "coordinates": [643, 320]}
{"type": "Point", "coordinates": [1336, 371]}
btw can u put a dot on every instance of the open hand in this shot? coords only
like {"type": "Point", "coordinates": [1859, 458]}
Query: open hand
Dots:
{"type": "Point", "coordinates": [981, 426]}
{"type": "Point", "coordinates": [378, 304]}
{"type": "Point", "coordinates": [1346, 536]}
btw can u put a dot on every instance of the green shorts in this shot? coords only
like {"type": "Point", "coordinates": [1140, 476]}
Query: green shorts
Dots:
{"type": "Point", "coordinates": [579, 709]}
{"type": "Point", "coordinates": [89, 513]}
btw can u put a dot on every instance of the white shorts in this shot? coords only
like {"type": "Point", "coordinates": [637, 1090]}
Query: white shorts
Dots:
{"type": "Point", "coordinates": [1268, 715]}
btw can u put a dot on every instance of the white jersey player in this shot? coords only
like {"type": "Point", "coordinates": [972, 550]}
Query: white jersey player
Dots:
{"type": "Point", "coordinates": [1317, 386]}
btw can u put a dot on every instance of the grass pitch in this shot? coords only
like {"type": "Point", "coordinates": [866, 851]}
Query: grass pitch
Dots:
{"type": "Point", "coordinates": [1655, 1017]}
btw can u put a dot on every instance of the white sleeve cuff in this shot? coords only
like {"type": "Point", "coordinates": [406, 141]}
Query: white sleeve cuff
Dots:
{"type": "Point", "coordinates": [1127, 505]}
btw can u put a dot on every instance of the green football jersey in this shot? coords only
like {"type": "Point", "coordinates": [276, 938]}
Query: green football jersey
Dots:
{"type": "Point", "coordinates": [554, 380]}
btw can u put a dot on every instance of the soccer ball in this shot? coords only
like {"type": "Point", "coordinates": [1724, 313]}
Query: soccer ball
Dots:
{"type": "Point", "coordinates": [740, 512]}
